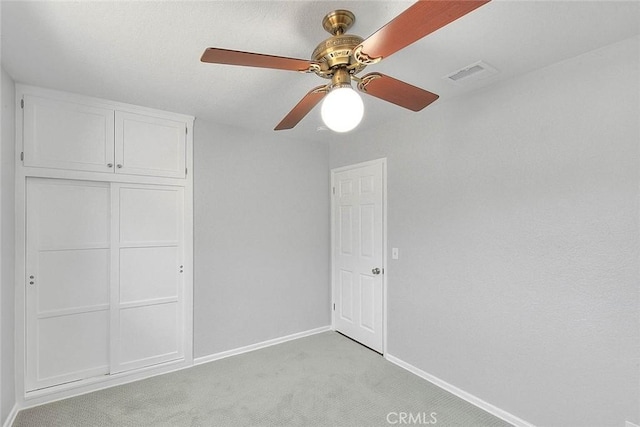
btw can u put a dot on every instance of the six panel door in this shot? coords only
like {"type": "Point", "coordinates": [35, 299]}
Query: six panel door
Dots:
{"type": "Point", "coordinates": [358, 254]}
{"type": "Point", "coordinates": [67, 283]}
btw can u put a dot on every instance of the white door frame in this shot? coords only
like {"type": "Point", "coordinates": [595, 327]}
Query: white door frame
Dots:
{"type": "Point", "coordinates": [383, 162]}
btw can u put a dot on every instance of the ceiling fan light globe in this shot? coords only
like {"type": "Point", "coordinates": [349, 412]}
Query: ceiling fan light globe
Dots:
{"type": "Point", "coordinates": [342, 109]}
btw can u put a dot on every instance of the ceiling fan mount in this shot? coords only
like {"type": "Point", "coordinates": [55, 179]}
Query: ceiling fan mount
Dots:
{"type": "Point", "coordinates": [338, 22]}
{"type": "Point", "coordinates": [342, 56]}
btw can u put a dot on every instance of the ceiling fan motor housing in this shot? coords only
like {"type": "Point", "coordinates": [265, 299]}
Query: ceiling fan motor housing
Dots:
{"type": "Point", "coordinates": [337, 51]}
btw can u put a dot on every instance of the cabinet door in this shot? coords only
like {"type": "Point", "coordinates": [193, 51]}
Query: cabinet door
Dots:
{"type": "Point", "coordinates": [67, 281]}
{"type": "Point", "coordinates": [67, 135]}
{"type": "Point", "coordinates": [147, 294]}
{"type": "Point", "coordinates": [147, 145]}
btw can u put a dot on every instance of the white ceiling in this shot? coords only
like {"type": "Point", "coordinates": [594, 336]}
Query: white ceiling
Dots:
{"type": "Point", "coordinates": [148, 53]}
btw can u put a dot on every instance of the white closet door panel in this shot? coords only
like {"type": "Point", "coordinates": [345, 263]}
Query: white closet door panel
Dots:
{"type": "Point", "coordinates": [148, 297]}
{"type": "Point", "coordinates": [69, 279]}
{"type": "Point", "coordinates": [149, 335]}
{"type": "Point", "coordinates": [149, 217]}
{"type": "Point", "coordinates": [67, 135]}
{"type": "Point", "coordinates": [72, 347]}
{"type": "Point", "coordinates": [148, 145]}
{"type": "Point", "coordinates": [148, 273]}
{"type": "Point", "coordinates": [71, 214]}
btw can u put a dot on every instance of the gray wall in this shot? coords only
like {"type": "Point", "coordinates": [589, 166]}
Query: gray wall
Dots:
{"type": "Point", "coordinates": [261, 237]}
{"type": "Point", "coordinates": [7, 286]}
{"type": "Point", "coordinates": [515, 210]}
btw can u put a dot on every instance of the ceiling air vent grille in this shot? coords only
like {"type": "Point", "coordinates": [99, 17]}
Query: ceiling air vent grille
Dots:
{"type": "Point", "coordinates": [476, 71]}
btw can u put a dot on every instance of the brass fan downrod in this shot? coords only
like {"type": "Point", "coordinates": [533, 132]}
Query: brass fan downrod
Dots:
{"type": "Point", "coordinates": [340, 78]}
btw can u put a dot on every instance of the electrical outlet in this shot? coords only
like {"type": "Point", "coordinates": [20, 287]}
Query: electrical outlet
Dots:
{"type": "Point", "coordinates": [394, 253]}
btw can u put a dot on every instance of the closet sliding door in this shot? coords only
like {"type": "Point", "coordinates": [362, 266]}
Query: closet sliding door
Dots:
{"type": "Point", "coordinates": [104, 279]}
{"type": "Point", "coordinates": [147, 292]}
{"type": "Point", "coordinates": [67, 281]}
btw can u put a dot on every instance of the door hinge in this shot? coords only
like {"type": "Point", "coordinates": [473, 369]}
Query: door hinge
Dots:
{"type": "Point", "coordinates": [334, 190]}
{"type": "Point", "coordinates": [22, 156]}
{"type": "Point", "coordinates": [186, 130]}
{"type": "Point", "coordinates": [334, 306]}
{"type": "Point", "coordinates": [22, 103]}
{"type": "Point", "coordinates": [186, 170]}
{"type": "Point", "coordinates": [383, 271]}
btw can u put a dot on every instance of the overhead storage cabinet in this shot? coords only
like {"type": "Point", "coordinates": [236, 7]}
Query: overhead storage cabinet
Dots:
{"type": "Point", "coordinates": [69, 134]}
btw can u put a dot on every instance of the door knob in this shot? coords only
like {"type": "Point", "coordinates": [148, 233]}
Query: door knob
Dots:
{"type": "Point", "coordinates": [375, 270]}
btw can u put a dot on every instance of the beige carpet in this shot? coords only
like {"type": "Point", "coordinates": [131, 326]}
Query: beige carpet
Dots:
{"type": "Point", "coordinates": [322, 380]}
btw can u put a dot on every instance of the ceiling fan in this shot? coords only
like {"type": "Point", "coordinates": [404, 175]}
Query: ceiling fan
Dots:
{"type": "Point", "coordinates": [342, 56]}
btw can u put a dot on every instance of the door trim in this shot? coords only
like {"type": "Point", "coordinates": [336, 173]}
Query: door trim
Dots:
{"type": "Point", "coordinates": [382, 161]}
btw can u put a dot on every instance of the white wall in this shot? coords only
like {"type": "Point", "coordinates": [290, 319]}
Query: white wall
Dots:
{"type": "Point", "coordinates": [261, 237]}
{"type": "Point", "coordinates": [7, 204]}
{"type": "Point", "coordinates": [515, 210]}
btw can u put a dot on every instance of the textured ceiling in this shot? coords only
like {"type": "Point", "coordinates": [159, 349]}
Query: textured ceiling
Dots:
{"type": "Point", "coordinates": [148, 53]}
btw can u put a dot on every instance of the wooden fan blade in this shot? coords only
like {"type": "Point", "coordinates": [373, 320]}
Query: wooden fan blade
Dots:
{"type": "Point", "coordinates": [424, 17]}
{"type": "Point", "coordinates": [396, 91]}
{"type": "Point", "coordinates": [248, 59]}
{"type": "Point", "coordinates": [302, 108]}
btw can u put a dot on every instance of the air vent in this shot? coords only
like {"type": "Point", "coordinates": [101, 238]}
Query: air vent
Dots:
{"type": "Point", "coordinates": [471, 73]}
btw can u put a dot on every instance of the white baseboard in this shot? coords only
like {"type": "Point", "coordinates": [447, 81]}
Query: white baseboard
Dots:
{"type": "Point", "coordinates": [476, 401]}
{"type": "Point", "coordinates": [257, 346]}
{"type": "Point", "coordinates": [11, 417]}
{"type": "Point", "coordinates": [630, 424]}
{"type": "Point", "coordinates": [89, 385]}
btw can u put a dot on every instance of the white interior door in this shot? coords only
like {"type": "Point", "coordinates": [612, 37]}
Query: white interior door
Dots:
{"type": "Point", "coordinates": [358, 252]}
{"type": "Point", "coordinates": [67, 281]}
{"type": "Point", "coordinates": [147, 291]}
